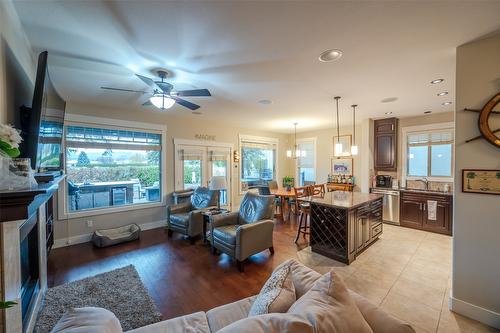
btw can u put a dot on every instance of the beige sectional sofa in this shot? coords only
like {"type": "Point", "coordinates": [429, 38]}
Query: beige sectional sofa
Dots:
{"type": "Point", "coordinates": [222, 316]}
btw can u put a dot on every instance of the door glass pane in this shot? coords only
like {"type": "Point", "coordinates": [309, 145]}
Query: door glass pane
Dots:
{"type": "Point", "coordinates": [417, 161]}
{"type": "Point", "coordinates": [441, 160]}
{"type": "Point", "coordinates": [192, 173]}
{"type": "Point", "coordinates": [306, 175]}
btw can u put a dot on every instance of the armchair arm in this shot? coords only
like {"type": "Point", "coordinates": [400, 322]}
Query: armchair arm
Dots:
{"type": "Point", "coordinates": [223, 219]}
{"type": "Point", "coordinates": [253, 238]}
{"type": "Point", "coordinates": [175, 209]}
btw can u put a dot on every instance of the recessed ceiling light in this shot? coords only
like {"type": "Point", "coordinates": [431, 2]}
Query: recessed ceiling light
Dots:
{"type": "Point", "coordinates": [388, 112]}
{"type": "Point", "coordinates": [444, 93]}
{"type": "Point", "coordinates": [389, 100]}
{"type": "Point", "coordinates": [265, 101]}
{"type": "Point", "coordinates": [330, 55]}
{"type": "Point", "coordinates": [196, 113]}
{"type": "Point", "coordinates": [437, 81]}
{"type": "Point", "coordinates": [446, 103]}
{"type": "Point", "coordinates": [427, 112]}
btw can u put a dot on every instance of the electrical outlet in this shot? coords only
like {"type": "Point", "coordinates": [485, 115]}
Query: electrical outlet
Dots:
{"type": "Point", "coordinates": [90, 223]}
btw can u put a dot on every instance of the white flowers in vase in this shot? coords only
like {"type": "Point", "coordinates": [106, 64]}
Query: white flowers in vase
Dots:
{"type": "Point", "coordinates": [9, 141]}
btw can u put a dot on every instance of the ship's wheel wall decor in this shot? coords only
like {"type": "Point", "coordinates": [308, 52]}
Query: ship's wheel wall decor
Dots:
{"type": "Point", "coordinates": [485, 124]}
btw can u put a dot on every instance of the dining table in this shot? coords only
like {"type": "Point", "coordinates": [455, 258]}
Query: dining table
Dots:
{"type": "Point", "coordinates": [284, 196]}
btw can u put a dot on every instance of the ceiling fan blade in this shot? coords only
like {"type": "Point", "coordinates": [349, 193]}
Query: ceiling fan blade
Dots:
{"type": "Point", "coordinates": [165, 87]}
{"type": "Point", "coordinates": [126, 90]}
{"type": "Point", "coordinates": [147, 103]}
{"type": "Point", "coordinates": [149, 82]}
{"type": "Point", "coordinates": [195, 92]}
{"type": "Point", "coordinates": [185, 103]}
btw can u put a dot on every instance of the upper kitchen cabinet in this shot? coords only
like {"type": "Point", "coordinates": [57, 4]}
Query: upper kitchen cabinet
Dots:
{"type": "Point", "coordinates": [386, 140]}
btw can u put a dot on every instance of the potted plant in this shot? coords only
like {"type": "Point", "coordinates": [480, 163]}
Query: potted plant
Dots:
{"type": "Point", "coordinates": [288, 182]}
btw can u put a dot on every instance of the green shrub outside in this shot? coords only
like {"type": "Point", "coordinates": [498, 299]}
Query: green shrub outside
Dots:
{"type": "Point", "coordinates": [147, 174]}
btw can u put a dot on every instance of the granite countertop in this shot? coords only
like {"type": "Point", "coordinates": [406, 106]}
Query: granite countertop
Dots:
{"type": "Point", "coordinates": [341, 199]}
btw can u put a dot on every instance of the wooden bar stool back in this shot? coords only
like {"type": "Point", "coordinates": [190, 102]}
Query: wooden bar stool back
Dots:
{"type": "Point", "coordinates": [303, 209]}
{"type": "Point", "coordinates": [318, 190]}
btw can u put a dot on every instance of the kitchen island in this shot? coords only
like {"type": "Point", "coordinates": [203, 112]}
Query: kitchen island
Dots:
{"type": "Point", "coordinates": [344, 224]}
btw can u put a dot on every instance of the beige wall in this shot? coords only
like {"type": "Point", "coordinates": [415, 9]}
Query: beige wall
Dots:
{"type": "Point", "coordinates": [476, 248]}
{"type": "Point", "coordinates": [177, 127]}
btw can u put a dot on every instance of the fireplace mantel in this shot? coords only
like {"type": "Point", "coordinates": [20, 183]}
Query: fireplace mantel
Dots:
{"type": "Point", "coordinates": [16, 209]}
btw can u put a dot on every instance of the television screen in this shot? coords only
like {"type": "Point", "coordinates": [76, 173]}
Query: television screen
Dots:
{"type": "Point", "coordinates": [43, 122]}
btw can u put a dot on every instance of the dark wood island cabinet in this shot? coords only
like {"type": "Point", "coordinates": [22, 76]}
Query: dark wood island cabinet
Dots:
{"type": "Point", "coordinates": [344, 224]}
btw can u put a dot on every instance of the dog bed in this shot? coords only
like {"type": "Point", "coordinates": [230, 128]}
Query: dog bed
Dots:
{"type": "Point", "coordinates": [108, 237]}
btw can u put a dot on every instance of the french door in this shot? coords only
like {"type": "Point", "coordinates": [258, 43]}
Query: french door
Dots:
{"type": "Point", "coordinates": [195, 165]}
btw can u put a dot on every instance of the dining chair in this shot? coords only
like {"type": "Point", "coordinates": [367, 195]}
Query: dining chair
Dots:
{"type": "Point", "coordinates": [303, 209]}
{"type": "Point", "coordinates": [264, 190]}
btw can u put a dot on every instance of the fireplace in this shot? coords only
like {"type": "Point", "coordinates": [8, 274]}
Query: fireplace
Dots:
{"type": "Point", "coordinates": [30, 267]}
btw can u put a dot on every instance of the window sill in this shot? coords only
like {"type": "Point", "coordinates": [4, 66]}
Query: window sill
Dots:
{"type": "Point", "coordinates": [112, 210]}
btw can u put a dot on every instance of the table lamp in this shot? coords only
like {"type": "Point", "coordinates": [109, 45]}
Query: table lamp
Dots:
{"type": "Point", "coordinates": [218, 183]}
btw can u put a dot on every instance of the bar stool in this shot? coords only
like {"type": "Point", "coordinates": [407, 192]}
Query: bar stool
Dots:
{"type": "Point", "coordinates": [303, 209]}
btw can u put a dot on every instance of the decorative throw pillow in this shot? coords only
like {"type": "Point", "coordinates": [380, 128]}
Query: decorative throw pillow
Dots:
{"type": "Point", "coordinates": [328, 306]}
{"type": "Point", "coordinates": [303, 277]}
{"type": "Point", "coordinates": [271, 322]}
{"type": "Point", "coordinates": [88, 320]}
{"type": "Point", "coordinates": [277, 294]}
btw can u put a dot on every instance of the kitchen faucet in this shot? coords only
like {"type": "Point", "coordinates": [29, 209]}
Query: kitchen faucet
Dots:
{"type": "Point", "coordinates": [425, 181]}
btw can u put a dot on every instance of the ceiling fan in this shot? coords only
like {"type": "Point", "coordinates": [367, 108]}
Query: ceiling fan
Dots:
{"type": "Point", "coordinates": [163, 96]}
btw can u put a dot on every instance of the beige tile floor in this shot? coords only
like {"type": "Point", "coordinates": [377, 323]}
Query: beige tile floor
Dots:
{"type": "Point", "coordinates": [407, 272]}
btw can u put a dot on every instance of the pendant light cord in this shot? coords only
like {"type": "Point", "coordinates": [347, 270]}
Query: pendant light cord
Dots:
{"type": "Point", "coordinates": [338, 129]}
{"type": "Point", "coordinates": [354, 124]}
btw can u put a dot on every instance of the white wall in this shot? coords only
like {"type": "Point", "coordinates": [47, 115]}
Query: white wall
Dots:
{"type": "Point", "coordinates": [476, 231]}
{"type": "Point", "coordinates": [76, 229]}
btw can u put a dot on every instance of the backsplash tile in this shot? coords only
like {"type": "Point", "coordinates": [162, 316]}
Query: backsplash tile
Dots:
{"type": "Point", "coordinates": [433, 186]}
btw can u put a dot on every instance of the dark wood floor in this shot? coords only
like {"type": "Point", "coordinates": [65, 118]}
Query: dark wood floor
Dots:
{"type": "Point", "coordinates": [181, 278]}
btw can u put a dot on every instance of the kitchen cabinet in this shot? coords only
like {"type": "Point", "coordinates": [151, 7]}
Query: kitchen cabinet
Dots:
{"type": "Point", "coordinates": [385, 142]}
{"type": "Point", "coordinates": [414, 211]}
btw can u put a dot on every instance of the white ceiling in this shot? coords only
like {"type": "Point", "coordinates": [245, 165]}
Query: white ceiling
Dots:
{"type": "Point", "coordinates": [244, 52]}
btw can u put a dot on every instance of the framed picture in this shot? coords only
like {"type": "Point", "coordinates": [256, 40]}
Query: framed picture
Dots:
{"type": "Point", "coordinates": [481, 181]}
{"type": "Point", "coordinates": [342, 166]}
{"type": "Point", "coordinates": [346, 141]}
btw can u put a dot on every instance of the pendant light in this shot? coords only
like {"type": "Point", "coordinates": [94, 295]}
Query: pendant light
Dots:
{"type": "Point", "coordinates": [296, 152]}
{"type": "Point", "coordinates": [338, 146]}
{"type": "Point", "coordinates": [354, 148]}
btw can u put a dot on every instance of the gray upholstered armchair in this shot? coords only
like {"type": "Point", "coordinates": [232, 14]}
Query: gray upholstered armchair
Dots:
{"type": "Point", "coordinates": [186, 217]}
{"type": "Point", "coordinates": [247, 232]}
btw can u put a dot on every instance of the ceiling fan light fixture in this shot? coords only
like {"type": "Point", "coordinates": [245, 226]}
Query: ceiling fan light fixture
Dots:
{"type": "Point", "coordinates": [162, 101]}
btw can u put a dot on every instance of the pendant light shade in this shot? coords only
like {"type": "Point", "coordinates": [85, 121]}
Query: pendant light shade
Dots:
{"type": "Point", "coordinates": [295, 152]}
{"type": "Point", "coordinates": [354, 148]}
{"type": "Point", "coordinates": [338, 146]}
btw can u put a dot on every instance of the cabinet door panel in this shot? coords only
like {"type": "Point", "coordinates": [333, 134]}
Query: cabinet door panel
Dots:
{"type": "Point", "coordinates": [442, 222]}
{"type": "Point", "coordinates": [385, 151]}
{"type": "Point", "coordinates": [411, 213]}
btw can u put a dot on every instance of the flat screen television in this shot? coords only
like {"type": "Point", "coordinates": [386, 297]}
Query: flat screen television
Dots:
{"type": "Point", "coordinates": [42, 124]}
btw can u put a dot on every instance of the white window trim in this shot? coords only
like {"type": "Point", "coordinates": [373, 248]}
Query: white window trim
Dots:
{"type": "Point", "coordinates": [307, 140]}
{"type": "Point", "coordinates": [75, 119]}
{"type": "Point", "coordinates": [404, 153]}
{"type": "Point", "coordinates": [258, 139]}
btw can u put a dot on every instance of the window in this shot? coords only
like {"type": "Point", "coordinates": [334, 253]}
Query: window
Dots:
{"type": "Point", "coordinates": [306, 169]}
{"type": "Point", "coordinates": [109, 167]}
{"type": "Point", "coordinates": [430, 154]}
{"type": "Point", "coordinates": [258, 162]}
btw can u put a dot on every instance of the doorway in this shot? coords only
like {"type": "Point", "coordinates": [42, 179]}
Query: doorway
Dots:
{"type": "Point", "coordinates": [197, 162]}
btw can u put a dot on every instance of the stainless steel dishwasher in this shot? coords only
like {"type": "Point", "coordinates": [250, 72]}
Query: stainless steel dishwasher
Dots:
{"type": "Point", "coordinates": [391, 204]}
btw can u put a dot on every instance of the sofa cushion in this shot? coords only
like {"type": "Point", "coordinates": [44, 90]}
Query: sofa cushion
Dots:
{"type": "Point", "coordinates": [192, 323]}
{"type": "Point", "coordinates": [270, 323]}
{"type": "Point", "coordinates": [180, 219]}
{"type": "Point", "coordinates": [329, 307]}
{"type": "Point", "coordinates": [226, 233]}
{"type": "Point", "coordinates": [88, 320]}
{"type": "Point", "coordinates": [226, 314]}
{"type": "Point", "coordinates": [303, 277]}
{"type": "Point", "coordinates": [379, 320]}
{"type": "Point", "coordinates": [277, 294]}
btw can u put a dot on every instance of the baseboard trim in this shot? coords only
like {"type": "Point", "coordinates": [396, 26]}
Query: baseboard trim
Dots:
{"type": "Point", "coordinates": [78, 239]}
{"type": "Point", "coordinates": [478, 313]}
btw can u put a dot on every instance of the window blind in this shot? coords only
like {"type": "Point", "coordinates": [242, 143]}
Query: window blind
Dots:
{"type": "Point", "coordinates": [218, 155]}
{"type": "Point", "coordinates": [308, 160]}
{"type": "Point", "coordinates": [416, 139]}
{"type": "Point", "coordinates": [190, 154]}
{"type": "Point", "coordinates": [258, 145]}
{"type": "Point", "coordinates": [104, 138]}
